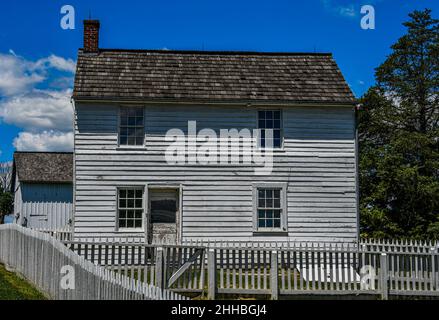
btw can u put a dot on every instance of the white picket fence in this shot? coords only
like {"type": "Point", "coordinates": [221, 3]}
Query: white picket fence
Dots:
{"type": "Point", "coordinates": [229, 268]}
{"type": "Point", "coordinates": [46, 262]}
{"type": "Point", "coordinates": [62, 234]}
{"type": "Point", "coordinates": [370, 245]}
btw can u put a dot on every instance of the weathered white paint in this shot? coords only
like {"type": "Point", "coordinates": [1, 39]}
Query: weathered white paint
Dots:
{"type": "Point", "coordinates": [46, 206]}
{"type": "Point", "coordinates": [317, 163]}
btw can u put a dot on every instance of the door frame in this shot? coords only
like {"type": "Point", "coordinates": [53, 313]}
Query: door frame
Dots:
{"type": "Point", "coordinates": [178, 217]}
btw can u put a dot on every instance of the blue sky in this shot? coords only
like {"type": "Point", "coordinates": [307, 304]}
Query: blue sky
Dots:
{"type": "Point", "coordinates": [37, 56]}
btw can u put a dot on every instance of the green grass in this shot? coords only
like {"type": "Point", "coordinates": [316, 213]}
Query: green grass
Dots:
{"type": "Point", "coordinates": [13, 287]}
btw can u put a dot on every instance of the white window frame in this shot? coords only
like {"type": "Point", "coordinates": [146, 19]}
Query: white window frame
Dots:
{"type": "Point", "coordinates": [119, 125]}
{"type": "Point", "coordinates": [281, 128]}
{"type": "Point", "coordinates": [284, 208]}
{"type": "Point", "coordinates": [128, 229]}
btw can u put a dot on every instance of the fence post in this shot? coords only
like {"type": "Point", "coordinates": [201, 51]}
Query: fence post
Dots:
{"type": "Point", "coordinates": [274, 276]}
{"type": "Point", "coordinates": [384, 276]}
{"type": "Point", "coordinates": [211, 265]}
{"type": "Point", "coordinates": [159, 280]}
{"type": "Point", "coordinates": [433, 269]}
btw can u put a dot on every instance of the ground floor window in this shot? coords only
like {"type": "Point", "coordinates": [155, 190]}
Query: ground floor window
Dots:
{"type": "Point", "coordinates": [270, 208]}
{"type": "Point", "coordinates": [130, 208]}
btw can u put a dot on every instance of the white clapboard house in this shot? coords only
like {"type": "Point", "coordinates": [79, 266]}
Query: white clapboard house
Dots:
{"type": "Point", "coordinates": [42, 183]}
{"type": "Point", "coordinates": [132, 107]}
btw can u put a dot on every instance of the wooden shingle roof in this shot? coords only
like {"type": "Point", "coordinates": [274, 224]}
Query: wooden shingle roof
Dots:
{"type": "Point", "coordinates": [210, 76]}
{"type": "Point", "coordinates": [44, 167]}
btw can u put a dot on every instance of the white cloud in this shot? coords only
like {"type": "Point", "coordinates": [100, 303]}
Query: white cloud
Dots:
{"type": "Point", "coordinates": [45, 141]}
{"type": "Point", "coordinates": [340, 7]}
{"type": "Point", "coordinates": [18, 75]}
{"type": "Point", "coordinates": [39, 110]}
{"type": "Point", "coordinates": [56, 62]}
{"type": "Point", "coordinates": [45, 115]}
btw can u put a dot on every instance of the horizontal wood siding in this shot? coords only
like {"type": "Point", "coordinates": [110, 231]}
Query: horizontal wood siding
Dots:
{"type": "Point", "coordinates": [317, 163]}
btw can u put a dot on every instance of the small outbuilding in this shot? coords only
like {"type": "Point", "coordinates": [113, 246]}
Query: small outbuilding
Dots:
{"type": "Point", "coordinates": [42, 183]}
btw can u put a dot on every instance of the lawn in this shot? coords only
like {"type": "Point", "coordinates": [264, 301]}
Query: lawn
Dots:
{"type": "Point", "coordinates": [13, 287]}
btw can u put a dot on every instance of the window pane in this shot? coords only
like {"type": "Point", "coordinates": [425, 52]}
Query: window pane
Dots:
{"type": "Point", "coordinates": [131, 131]}
{"type": "Point", "coordinates": [269, 214]}
{"type": "Point", "coordinates": [131, 112]}
{"type": "Point", "coordinates": [122, 203]}
{"type": "Point", "coordinates": [139, 121]}
{"type": "Point", "coordinates": [139, 193]}
{"type": "Point", "coordinates": [139, 141]}
{"type": "Point", "coordinates": [131, 121]}
{"type": "Point", "coordinates": [122, 223]}
{"type": "Point", "coordinates": [130, 223]}
{"type": "Point", "coordinates": [261, 214]}
{"type": "Point", "coordinates": [138, 214]}
{"type": "Point", "coordinates": [276, 223]}
{"type": "Point", "coordinates": [122, 214]}
{"type": "Point", "coordinates": [269, 203]}
{"type": "Point", "coordinates": [138, 203]}
{"type": "Point", "coordinates": [138, 223]}
{"type": "Point", "coordinates": [269, 193]}
{"type": "Point", "coordinates": [261, 223]}
{"type": "Point", "coordinates": [269, 115]}
{"type": "Point", "coordinates": [269, 223]}
{"type": "Point", "coordinates": [164, 205]}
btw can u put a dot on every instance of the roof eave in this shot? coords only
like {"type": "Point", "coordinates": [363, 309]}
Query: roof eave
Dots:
{"type": "Point", "coordinates": [250, 102]}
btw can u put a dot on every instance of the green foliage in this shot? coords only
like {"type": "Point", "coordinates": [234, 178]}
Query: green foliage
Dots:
{"type": "Point", "coordinates": [399, 138]}
{"type": "Point", "coordinates": [6, 204]}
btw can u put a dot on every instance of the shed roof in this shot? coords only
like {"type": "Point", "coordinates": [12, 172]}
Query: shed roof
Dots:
{"type": "Point", "coordinates": [44, 167]}
{"type": "Point", "coordinates": [210, 75]}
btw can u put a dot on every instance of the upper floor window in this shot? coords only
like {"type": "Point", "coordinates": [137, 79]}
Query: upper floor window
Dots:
{"type": "Point", "coordinates": [270, 119]}
{"type": "Point", "coordinates": [131, 126]}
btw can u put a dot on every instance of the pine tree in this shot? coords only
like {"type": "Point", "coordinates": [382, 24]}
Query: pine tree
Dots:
{"type": "Point", "coordinates": [399, 138]}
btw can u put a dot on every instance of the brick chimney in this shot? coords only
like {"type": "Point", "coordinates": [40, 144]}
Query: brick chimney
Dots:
{"type": "Point", "coordinates": [91, 36]}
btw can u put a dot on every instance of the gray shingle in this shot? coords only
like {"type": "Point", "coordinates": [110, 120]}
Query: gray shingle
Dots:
{"type": "Point", "coordinates": [202, 75]}
{"type": "Point", "coordinates": [50, 167]}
